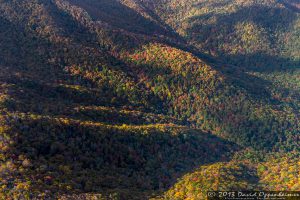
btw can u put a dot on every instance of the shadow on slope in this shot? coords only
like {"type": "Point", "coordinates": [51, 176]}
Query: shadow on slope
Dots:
{"type": "Point", "coordinates": [209, 34]}
{"type": "Point", "coordinates": [66, 156]}
{"type": "Point", "coordinates": [56, 154]}
{"type": "Point", "coordinates": [71, 154]}
{"type": "Point", "coordinates": [120, 16]}
{"type": "Point", "coordinates": [229, 176]}
{"type": "Point", "coordinates": [214, 112]}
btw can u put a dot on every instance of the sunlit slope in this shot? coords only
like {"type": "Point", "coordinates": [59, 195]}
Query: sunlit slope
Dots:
{"type": "Point", "coordinates": [253, 34]}
{"type": "Point", "coordinates": [158, 78]}
{"type": "Point", "coordinates": [260, 37]}
{"type": "Point", "coordinates": [204, 97]}
{"type": "Point", "coordinates": [100, 102]}
{"type": "Point", "coordinates": [277, 174]}
{"type": "Point", "coordinates": [73, 121]}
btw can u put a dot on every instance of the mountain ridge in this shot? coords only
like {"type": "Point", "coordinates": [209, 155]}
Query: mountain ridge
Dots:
{"type": "Point", "coordinates": [120, 106]}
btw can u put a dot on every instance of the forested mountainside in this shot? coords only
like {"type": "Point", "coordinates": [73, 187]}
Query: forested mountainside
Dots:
{"type": "Point", "coordinates": [166, 99]}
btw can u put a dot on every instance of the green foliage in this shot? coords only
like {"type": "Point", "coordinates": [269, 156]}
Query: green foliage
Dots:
{"type": "Point", "coordinates": [257, 35]}
{"type": "Point", "coordinates": [205, 98]}
{"type": "Point", "coordinates": [277, 174]}
{"type": "Point", "coordinates": [116, 100]}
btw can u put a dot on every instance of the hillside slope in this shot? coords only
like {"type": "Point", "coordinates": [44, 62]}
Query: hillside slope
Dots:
{"type": "Point", "coordinates": [109, 98]}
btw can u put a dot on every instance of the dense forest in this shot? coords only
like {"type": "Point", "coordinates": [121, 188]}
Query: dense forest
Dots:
{"type": "Point", "coordinates": [141, 99]}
